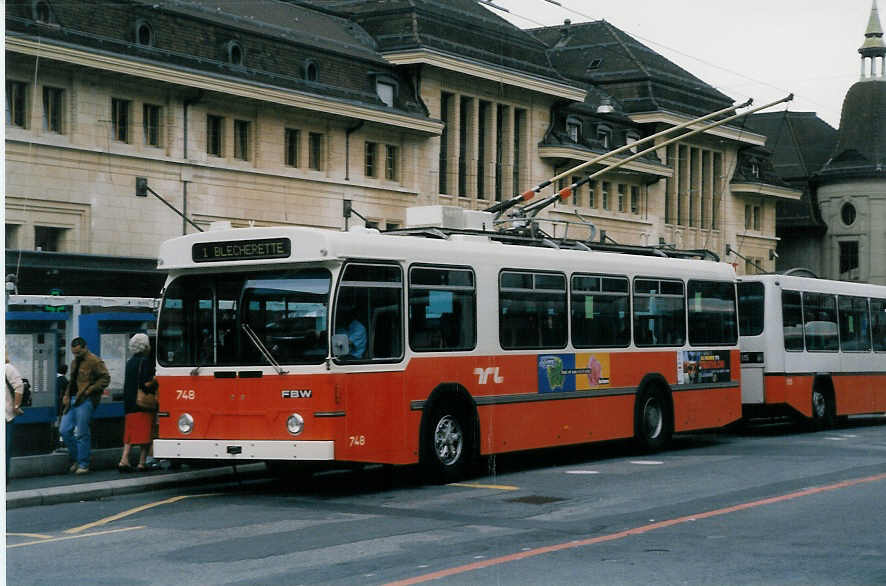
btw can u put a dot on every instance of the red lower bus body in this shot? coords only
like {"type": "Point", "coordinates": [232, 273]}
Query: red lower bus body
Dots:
{"type": "Point", "coordinates": [854, 393]}
{"type": "Point", "coordinates": [376, 416]}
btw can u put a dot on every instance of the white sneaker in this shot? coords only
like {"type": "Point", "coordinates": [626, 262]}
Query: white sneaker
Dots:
{"type": "Point", "coordinates": [82, 471]}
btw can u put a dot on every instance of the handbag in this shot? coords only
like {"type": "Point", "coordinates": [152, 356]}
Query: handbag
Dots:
{"type": "Point", "coordinates": [146, 399]}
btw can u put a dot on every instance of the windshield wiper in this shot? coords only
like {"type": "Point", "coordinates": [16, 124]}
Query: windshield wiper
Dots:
{"type": "Point", "coordinates": [253, 337]}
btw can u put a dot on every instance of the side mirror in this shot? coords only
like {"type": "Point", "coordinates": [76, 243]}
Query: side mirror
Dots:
{"type": "Point", "coordinates": [340, 345]}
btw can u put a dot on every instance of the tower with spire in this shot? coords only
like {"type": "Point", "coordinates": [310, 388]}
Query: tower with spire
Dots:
{"type": "Point", "coordinates": [851, 186]}
{"type": "Point", "coordinates": [873, 50]}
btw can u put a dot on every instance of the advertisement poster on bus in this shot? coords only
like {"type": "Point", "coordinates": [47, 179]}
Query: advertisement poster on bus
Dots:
{"type": "Point", "coordinates": [559, 373]}
{"type": "Point", "coordinates": [705, 366]}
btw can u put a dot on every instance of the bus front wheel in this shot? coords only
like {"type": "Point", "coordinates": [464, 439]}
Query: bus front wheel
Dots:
{"type": "Point", "coordinates": [652, 420]}
{"type": "Point", "coordinates": [446, 445]}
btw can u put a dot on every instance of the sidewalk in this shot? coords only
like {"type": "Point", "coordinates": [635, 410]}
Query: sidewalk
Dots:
{"type": "Point", "coordinates": [45, 480]}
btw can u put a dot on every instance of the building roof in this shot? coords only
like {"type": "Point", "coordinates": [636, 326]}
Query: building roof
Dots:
{"type": "Point", "coordinates": [284, 20]}
{"type": "Point", "coordinates": [279, 39]}
{"type": "Point", "coordinates": [458, 27]}
{"type": "Point", "coordinates": [642, 79]}
{"type": "Point", "coordinates": [861, 146]}
{"type": "Point", "coordinates": [800, 143]}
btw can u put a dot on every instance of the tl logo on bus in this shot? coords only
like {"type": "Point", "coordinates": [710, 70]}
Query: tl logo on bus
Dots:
{"type": "Point", "coordinates": [483, 375]}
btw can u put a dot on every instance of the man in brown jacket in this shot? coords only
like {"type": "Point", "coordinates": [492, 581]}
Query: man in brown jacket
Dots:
{"type": "Point", "coordinates": [89, 377]}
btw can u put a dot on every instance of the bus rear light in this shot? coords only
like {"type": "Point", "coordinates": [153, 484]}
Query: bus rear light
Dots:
{"type": "Point", "coordinates": [185, 423]}
{"type": "Point", "coordinates": [752, 358]}
{"type": "Point", "coordinates": [295, 424]}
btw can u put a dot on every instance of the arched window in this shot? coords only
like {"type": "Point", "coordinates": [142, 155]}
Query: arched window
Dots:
{"type": "Point", "coordinates": [310, 70]}
{"type": "Point", "coordinates": [573, 128]}
{"type": "Point", "coordinates": [42, 12]}
{"type": "Point", "coordinates": [144, 34]}
{"type": "Point", "coordinates": [234, 53]}
{"type": "Point", "coordinates": [604, 135]}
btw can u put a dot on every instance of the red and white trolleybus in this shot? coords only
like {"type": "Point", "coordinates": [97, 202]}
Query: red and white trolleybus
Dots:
{"type": "Point", "coordinates": [300, 344]}
{"type": "Point", "coordinates": [812, 346]}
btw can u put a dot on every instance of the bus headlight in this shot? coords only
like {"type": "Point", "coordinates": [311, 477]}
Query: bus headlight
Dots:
{"type": "Point", "coordinates": [186, 423]}
{"type": "Point", "coordinates": [295, 424]}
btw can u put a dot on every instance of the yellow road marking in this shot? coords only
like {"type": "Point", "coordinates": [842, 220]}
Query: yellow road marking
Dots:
{"type": "Point", "coordinates": [492, 486]}
{"type": "Point", "coordinates": [33, 535]}
{"type": "Point", "coordinates": [123, 514]}
{"type": "Point", "coordinates": [66, 537]}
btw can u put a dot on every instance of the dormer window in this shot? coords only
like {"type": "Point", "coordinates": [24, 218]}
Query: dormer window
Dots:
{"type": "Point", "coordinates": [755, 169]}
{"type": "Point", "coordinates": [386, 89]}
{"type": "Point", "coordinates": [630, 138]}
{"type": "Point", "coordinates": [604, 136]}
{"type": "Point", "coordinates": [573, 128]}
{"type": "Point", "coordinates": [144, 34]}
{"type": "Point", "coordinates": [310, 70]}
{"type": "Point", "coordinates": [42, 12]}
{"type": "Point", "coordinates": [234, 52]}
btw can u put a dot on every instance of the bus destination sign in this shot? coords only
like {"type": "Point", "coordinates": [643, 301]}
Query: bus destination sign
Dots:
{"type": "Point", "coordinates": [241, 250]}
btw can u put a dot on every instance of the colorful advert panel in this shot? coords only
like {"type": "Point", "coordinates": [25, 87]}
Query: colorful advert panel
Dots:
{"type": "Point", "coordinates": [559, 373]}
{"type": "Point", "coordinates": [702, 366]}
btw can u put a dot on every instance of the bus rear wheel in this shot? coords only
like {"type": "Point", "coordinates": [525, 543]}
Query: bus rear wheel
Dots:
{"type": "Point", "coordinates": [446, 446]}
{"type": "Point", "coordinates": [652, 420]}
{"type": "Point", "coordinates": [823, 409]}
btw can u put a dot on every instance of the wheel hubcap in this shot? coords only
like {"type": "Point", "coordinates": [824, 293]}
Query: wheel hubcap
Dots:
{"type": "Point", "coordinates": [819, 406]}
{"type": "Point", "coordinates": [652, 418]}
{"type": "Point", "coordinates": [448, 440]}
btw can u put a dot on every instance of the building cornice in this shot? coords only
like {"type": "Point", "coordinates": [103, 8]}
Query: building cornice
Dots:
{"type": "Point", "coordinates": [767, 190]}
{"type": "Point", "coordinates": [226, 85]}
{"type": "Point", "coordinates": [484, 71]}
{"type": "Point", "coordinates": [637, 165]}
{"type": "Point", "coordinates": [725, 131]}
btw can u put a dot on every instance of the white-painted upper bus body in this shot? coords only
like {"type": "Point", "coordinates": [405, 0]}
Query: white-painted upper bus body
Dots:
{"type": "Point", "coordinates": [770, 341]}
{"type": "Point", "coordinates": [486, 257]}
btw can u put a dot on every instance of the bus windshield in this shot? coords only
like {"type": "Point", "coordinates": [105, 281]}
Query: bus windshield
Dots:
{"type": "Point", "coordinates": [202, 318]}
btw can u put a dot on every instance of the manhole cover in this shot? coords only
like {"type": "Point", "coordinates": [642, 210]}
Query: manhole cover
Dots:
{"type": "Point", "coordinates": [536, 499]}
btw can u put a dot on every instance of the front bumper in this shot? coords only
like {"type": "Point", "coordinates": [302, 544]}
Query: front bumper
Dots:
{"type": "Point", "coordinates": [221, 449]}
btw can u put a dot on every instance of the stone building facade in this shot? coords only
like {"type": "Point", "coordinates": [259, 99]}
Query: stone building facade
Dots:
{"type": "Point", "coordinates": [266, 113]}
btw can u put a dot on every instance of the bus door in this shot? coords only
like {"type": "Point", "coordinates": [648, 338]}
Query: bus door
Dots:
{"type": "Point", "coordinates": [368, 349]}
{"type": "Point", "coordinates": [751, 323]}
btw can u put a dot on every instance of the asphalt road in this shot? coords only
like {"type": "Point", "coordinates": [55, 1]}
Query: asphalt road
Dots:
{"type": "Point", "coordinates": [772, 505]}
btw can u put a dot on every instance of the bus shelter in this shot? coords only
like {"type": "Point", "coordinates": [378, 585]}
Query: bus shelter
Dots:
{"type": "Point", "coordinates": [39, 330]}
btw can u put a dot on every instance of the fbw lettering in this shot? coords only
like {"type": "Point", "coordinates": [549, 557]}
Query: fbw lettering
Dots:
{"type": "Point", "coordinates": [483, 375]}
{"type": "Point", "coordinates": [296, 393]}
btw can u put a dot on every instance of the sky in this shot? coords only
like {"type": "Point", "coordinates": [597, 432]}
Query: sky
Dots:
{"type": "Point", "coordinates": [760, 49]}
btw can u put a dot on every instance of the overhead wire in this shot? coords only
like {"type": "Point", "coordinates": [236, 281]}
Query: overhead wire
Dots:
{"type": "Point", "coordinates": [562, 6]}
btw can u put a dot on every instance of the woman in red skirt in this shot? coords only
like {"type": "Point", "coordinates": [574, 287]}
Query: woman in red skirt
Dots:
{"type": "Point", "coordinates": [137, 430]}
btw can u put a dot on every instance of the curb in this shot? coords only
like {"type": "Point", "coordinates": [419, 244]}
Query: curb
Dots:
{"type": "Point", "coordinates": [94, 490]}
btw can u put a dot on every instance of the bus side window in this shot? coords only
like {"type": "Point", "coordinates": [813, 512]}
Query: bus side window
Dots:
{"type": "Point", "coordinates": [442, 309]}
{"type": "Point", "coordinates": [855, 331]}
{"type": "Point", "coordinates": [600, 311]}
{"type": "Point", "coordinates": [532, 310]}
{"type": "Point", "coordinates": [659, 312]}
{"type": "Point", "coordinates": [820, 322]}
{"type": "Point", "coordinates": [712, 314]}
{"type": "Point", "coordinates": [369, 310]}
{"type": "Point", "coordinates": [792, 320]}
{"type": "Point", "coordinates": [878, 324]}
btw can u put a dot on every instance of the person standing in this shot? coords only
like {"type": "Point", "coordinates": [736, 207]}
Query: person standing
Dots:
{"type": "Point", "coordinates": [89, 377]}
{"type": "Point", "coordinates": [61, 385]}
{"type": "Point", "coordinates": [138, 423]}
{"type": "Point", "coordinates": [15, 391]}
